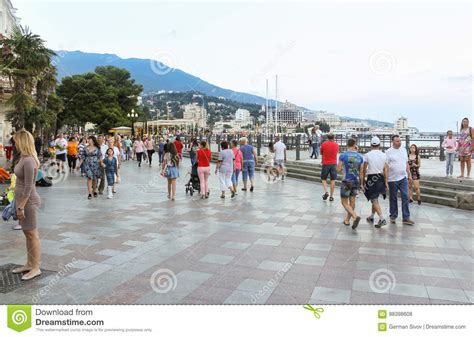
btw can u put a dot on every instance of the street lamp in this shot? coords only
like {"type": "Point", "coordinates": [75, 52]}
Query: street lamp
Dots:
{"type": "Point", "coordinates": [132, 115]}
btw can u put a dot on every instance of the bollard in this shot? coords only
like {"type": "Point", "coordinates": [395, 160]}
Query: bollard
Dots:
{"type": "Point", "coordinates": [259, 144]}
{"type": "Point", "coordinates": [298, 147]}
{"type": "Point", "coordinates": [442, 154]}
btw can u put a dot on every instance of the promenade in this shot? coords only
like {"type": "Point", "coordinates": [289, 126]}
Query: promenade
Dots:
{"type": "Point", "coordinates": [281, 244]}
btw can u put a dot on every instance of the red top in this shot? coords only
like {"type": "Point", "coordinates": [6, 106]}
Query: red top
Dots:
{"type": "Point", "coordinates": [329, 151]}
{"type": "Point", "coordinates": [203, 157]}
{"type": "Point", "coordinates": [179, 146]}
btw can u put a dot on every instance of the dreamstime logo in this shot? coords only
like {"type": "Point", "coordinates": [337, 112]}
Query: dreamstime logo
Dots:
{"type": "Point", "coordinates": [270, 173]}
{"type": "Point", "coordinates": [163, 281]}
{"type": "Point", "coordinates": [19, 317]}
{"type": "Point", "coordinates": [382, 281]}
{"type": "Point", "coordinates": [51, 174]}
{"type": "Point", "coordinates": [382, 62]}
{"type": "Point", "coordinates": [163, 63]}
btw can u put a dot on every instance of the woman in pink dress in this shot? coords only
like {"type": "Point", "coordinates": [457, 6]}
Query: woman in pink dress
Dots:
{"type": "Point", "coordinates": [237, 164]}
{"type": "Point", "coordinates": [465, 147]}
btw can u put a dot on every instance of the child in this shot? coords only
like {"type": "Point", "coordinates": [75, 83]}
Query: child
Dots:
{"type": "Point", "coordinates": [269, 159]}
{"type": "Point", "coordinates": [450, 146]}
{"type": "Point", "coordinates": [110, 164]}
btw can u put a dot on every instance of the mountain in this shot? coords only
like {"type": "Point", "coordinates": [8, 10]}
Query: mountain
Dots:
{"type": "Point", "coordinates": [153, 75]}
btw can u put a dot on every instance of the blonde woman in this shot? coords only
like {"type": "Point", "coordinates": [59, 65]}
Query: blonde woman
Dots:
{"type": "Point", "coordinates": [28, 202]}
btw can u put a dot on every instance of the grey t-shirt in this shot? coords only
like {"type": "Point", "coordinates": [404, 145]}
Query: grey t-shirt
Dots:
{"type": "Point", "coordinates": [227, 158]}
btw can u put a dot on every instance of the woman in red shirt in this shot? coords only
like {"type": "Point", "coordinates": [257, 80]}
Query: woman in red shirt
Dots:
{"type": "Point", "coordinates": [203, 157]}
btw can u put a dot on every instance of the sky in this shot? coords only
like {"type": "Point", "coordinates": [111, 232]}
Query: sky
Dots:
{"type": "Point", "coordinates": [370, 59]}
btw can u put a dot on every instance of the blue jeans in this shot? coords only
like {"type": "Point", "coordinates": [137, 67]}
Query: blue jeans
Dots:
{"type": "Point", "coordinates": [248, 170]}
{"type": "Point", "coordinates": [235, 177]}
{"type": "Point", "coordinates": [394, 187]}
{"type": "Point", "coordinates": [315, 147]}
{"type": "Point", "coordinates": [449, 163]}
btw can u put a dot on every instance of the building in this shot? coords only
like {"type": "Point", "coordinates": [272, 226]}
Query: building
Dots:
{"type": "Point", "coordinates": [289, 115]}
{"type": "Point", "coordinates": [8, 21]}
{"type": "Point", "coordinates": [401, 125]}
{"type": "Point", "coordinates": [242, 115]}
{"type": "Point", "coordinates": [329, 118]}
{"type": "Point", "coordinates": [196, 113]}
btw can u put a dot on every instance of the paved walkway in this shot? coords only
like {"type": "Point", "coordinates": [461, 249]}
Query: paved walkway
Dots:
{"type": "Point", "coordinates": [280, 244]}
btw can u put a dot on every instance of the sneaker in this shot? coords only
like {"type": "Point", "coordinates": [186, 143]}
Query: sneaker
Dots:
{"type": "Point", "coordinates": [251, 188]}
{"type": "Point", "coordinates": [408, 222]}
{"type": "Point", "coordinates": [232, 194]}
{"type": "Point", "coordinates": [325, 196]}
{"type": "Point", "coordinates": [282, 177]}
{"type": "Point", "coordinates": [381, 223]}
{"type": "Point", "coordinates": [370, 219]}
{"type": "Point", "coordinates": [331, 199]}
{"type": "Point", "coordinates": [393, 221]}
{"type": "Point", "coordinates": [419, 202]}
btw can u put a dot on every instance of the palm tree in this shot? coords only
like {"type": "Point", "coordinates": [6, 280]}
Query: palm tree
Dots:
{"type": "Point", "coordinates": [26, 62]}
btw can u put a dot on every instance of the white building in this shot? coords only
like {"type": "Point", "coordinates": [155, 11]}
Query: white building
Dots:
{"type": "Point", "coordinates": [242, 115]}
{"type": "Point", "coordinates": [329, 118]}
{"type": "Point", "coordinates": [401, 125]}
{"type": "Point", "coordinates": [8, 21]}
{"type": "Point", "coordinates": [196, 113]}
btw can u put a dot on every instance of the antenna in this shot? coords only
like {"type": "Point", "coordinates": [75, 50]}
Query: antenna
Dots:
{"type": "Point", "coordinates": [276, 103]}
{"type": "Point", "coordinates": [267, 114]}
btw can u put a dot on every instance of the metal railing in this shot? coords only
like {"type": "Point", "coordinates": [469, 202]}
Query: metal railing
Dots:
{"type": "Point", "coordinates": [427, 147]}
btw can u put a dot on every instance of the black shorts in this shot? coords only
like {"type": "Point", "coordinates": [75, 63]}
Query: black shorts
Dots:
{"type": "Point", "coordinates": [329, 170]}
{"type": "Point", "coordinates": [375, 186]}
{"type": "Point", "coordinates": [61, 157]}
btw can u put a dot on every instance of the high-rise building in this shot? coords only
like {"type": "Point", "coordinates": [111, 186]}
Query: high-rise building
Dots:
{"type": "Point", "coordinates": [401, 125]}
{"type": "Point", "coordinates": [289, 114]}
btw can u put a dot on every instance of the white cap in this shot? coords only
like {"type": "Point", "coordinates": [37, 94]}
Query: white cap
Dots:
{"type": "Point", "coordinates": [375, 141]}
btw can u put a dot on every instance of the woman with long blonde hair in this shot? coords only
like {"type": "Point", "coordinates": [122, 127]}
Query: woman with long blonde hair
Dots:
{"type": "Point", "coordinates": [28, 202]}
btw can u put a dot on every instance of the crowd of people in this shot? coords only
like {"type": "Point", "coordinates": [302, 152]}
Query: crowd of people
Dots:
{"type": "Point", "coordinates": [99, 159]}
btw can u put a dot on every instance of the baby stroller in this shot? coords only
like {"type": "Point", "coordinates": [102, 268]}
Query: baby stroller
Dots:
{"type": "Point", "coordinates": [193, 183]}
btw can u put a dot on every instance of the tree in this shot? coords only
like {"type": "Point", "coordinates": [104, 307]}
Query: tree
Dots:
{"type": "Point", "coordinates": [26, 62]}
{"type": "Point", "coordinates": [104, 98]}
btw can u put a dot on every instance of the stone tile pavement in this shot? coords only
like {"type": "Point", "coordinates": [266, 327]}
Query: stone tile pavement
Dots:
{"type": "Point", "coordinates": [281, 244]}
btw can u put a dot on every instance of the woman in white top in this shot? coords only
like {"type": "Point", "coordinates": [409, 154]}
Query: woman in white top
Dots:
{"type": "Point", "coordinates": [269, 162]}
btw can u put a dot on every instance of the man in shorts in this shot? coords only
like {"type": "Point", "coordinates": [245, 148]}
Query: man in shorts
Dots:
{"type": "Point", "coordinates": [376, 168]}
{"type": "Point", "coordinates": [352, 162]}
{"type": "Point", "coordinates": [329, 151]}
{"type": "Point", "coordinates": [61, 150]}
{"type": "Point", "coordinates": [280, 156]}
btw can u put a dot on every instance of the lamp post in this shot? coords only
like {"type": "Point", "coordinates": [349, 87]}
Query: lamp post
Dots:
{"type": "Point", "coordinates": [132, 115]}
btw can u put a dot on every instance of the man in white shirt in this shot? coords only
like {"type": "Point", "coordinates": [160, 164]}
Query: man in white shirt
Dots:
{"type": "Point", "coordinates": [376, 168]}
{"type": "Point", "coordinates": [61, 150]}
{"type": "Point", "coordinates": [280, 156]}
{"type": "Point", "coordinates": [398, 171]}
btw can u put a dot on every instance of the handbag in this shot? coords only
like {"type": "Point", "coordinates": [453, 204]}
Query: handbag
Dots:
{"type": "Point", "coordinates": [10, 211]}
